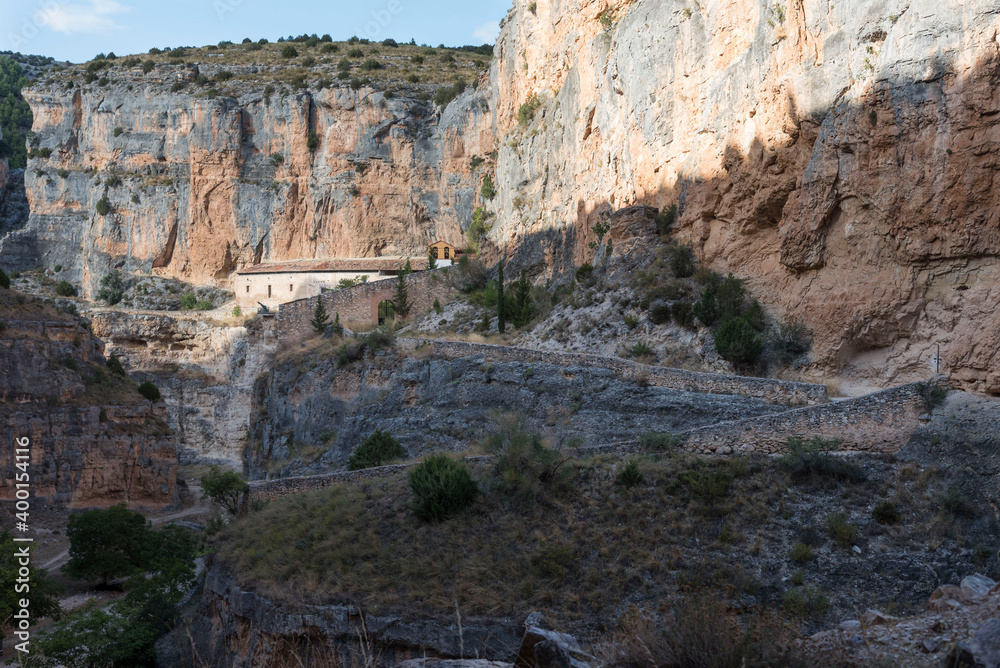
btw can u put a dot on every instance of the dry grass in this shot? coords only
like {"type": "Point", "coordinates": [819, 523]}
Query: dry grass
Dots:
{"type": "Point", "coordinates": [573, 554]}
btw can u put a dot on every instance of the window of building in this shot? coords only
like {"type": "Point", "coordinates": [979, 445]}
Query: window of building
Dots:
{"type": "Point", "coordinates": [291, 288]}
{"type": "Point", "coordinates": [248, 289]}
{"type": "Point", "coordinates": [434, 252]}
{"type": "Point", "coordinates": [269, 291]}
{"type": "Point", "coordinates": [446, 249]}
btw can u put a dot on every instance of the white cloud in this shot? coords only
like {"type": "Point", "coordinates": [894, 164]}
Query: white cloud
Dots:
{"type": "Point", "coordinates": [95, 17]}
{"type": "Point", "coordinates": [487, 33]}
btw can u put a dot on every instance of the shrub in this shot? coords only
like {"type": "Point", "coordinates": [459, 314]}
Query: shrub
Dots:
{"type": "Point", "coordinates": [932, 393]}
{"type": "Point", "coordinates": [640, 350]}
{"type": "Point", "coordinates": [812, 459]}
{"type": "Point", "coordinates": [526, 112]}
{"type": "Point", "coordinates": [702, 630]}
{"type": "Point", "coordinates": [954, 503]}
{"type": "Point", "coordinates": [801, 553]}
{"type": "Point", "coordinates": [441, 488]}
{"type": "Point", "coordinates": [584, 273]}
{"type": "Point", "coordinates": [488, 190]}
{"type": "Point", "coordinates": [790, 341]}
{"type": "Point", "coordinates": [237, 311]}
{"type": "Point", "coordinates": [312, 141]}
{"type": "Point", "coordinates": [808, 601]}
{"type": "Point", "coordinates": [150, 391]}
{"type": "Point", "coordinates": [738, 342]}
{"type": "Point", "coordinates": [115, 366]}
{"type": "Point", "coordinates": [289, 52]}
{"type": "Point", "coordinates": [630, 475]}
{"type": "Point", "coordinates": [886, 512]}
{"type": "Point", "coordinates": [118, 131]}
{"type": "Point", "coordinates": [355, 53]}
{"type": "Point", "coordinates": [103, 206]}
{"type": "Point", "coordinates": [525, 468]}
{"type": "Point", "coordinates": [371, 64]}
{"type": "Point", "coordinates": [683, 314]}
{"type": "Point", "coordinates": [842, 531]}
{"type": "Point", "coordinates": [659, 314]}
{"type": "Point", "coordinates": [112, 288]}
{"type": "Point", "coordinates": [379, 448]}
{"type": "Point", "coordinates": [65, 289]}
{"type": "Point", "coordinates": [682, 262]}
{"type": "Point", "coordinates": [63, 173]}
{"type": "Point", "coordinates": [710, 486]}
{"type": "Point", "coordinates": [665, 219]}
{"type": "Point", "coordinates": [631, 321]}
{"type": "Point", "coordinates": [189, 302]}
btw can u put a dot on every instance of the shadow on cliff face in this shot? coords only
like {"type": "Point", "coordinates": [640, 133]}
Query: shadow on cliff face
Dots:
{"type": "Point", "coordinates": [875, 223]}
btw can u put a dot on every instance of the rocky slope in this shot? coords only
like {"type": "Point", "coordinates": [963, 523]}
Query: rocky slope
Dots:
{"type": "Point", "coordinates": [200, 183]}
{"type": "Point", "coordinates": [837, 155]}
{"type": "Point", "coordinates": [94, 440]}
{"type": "Point", "coordinates": [309, 415]}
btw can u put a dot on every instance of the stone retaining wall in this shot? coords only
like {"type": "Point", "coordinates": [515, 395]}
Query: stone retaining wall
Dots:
{"type": "Point", "coordinates": [360, 303]}
{"type": "Point", "coordinates": [881, 422]}
{"type": "Point", "coordinates": [770, 390]}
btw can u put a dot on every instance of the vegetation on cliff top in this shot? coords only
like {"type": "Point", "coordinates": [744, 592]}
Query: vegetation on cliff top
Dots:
{"type": "Point", "coordinates": [295, 63]}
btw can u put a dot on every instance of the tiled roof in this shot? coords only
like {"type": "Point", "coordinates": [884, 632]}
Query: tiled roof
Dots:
{"type": "Point", "coordinates": [336, 264]}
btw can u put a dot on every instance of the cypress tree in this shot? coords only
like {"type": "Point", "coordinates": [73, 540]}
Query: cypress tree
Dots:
{"type": "Point", "coordinates": [501, 303]}
{"type": "Point", "coordinates": [320, 319]}
{"type": "Point", "coordinates": [524, 305]}
{"type": "Point", "coordinates": [401, 301]}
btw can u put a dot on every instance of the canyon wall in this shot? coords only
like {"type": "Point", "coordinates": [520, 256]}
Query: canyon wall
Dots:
{"type": "Point", "coordinates": [95, 441]}
{"type": "Point", "coordinates": [839, 156]}
{"type": "Point", "coordinates": [4, 168]}
{"type": "Point", "coordinates": [205, 368]}
{"type": "Point", "coordinates": [198, 186]}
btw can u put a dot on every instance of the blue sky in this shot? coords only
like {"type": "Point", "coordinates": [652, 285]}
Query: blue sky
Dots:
{"type": "Point", "coordinates": [77, 30]}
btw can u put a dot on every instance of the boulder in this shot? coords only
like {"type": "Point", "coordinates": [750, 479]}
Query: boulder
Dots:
{"type": "Point", "coordinates": [985, 644]}
{"type": "Point", "coordinates": [874, 617]}
{"type": "Point", "coordinates": [977, 586]}
{"type": "Point", "coordinates": [549, 649]}
{"type": "Point", "coordinates": [947, 596]}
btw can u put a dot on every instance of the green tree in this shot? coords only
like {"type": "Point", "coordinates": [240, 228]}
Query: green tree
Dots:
{"type": "Point", "coordinates": [737, 341]}
{"type": "Point", "coordinates": [228, 489]}
{"type": "Point", "coordinates": [112, 289]}
{"type": "Point", "coordinates": [4, 280]}
{"type": "Point", "coordinates": [148, 390]}
{"type": "Point", "coordinates": [105, 545]}
{"type": "Point", "coordinates": [312, 141]}
{"type": "Point", "coordinates": [488, 190]}
{"type": "Point", "coordinates": [321, 319]}
{"type": "Point", "coordinates": [39, 590]}
{"type": "Point", "coordinates": [441, 488]}
{"type": "Point", "coordinates": [380, 447]}
{"type": "Point", "coordinates": [65, 289]}
{"type": "Point", "coordinates": [432, 262]}
{"type": "Point", "coordinates": [523, 309]}
{"type": "Point", "coordinates": [501, 303]}
{"type": "Point", "coordinates": [401, 300]}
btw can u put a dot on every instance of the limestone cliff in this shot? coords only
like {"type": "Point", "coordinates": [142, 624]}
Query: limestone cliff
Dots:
{"type": "Point", "coordinates": [94, 440]}
{"type": "Point", "coordinates": [205, 369]}
{"type": "Point", "coordinates": [840, 156]}
{"type": "Point", "coordinates": [199, 185]}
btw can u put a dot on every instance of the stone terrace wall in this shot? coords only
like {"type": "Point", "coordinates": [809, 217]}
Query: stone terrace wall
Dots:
{"type": "Point", "coordinates": [773, 391]}
{"type": "Point", "coordinates": [875, 423]}
{"type": "Point", "coordinates": [360, 303]}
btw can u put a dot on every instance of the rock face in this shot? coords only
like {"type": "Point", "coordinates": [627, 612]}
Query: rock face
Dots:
{"type": "Point", "coordinates": [200, 187]}
{"type": "Point", "coordinates": [204, 368]}
{"type": "Point", "coordinates": [94, 440]}
{"type": "Point", "coordinates": [238, 627]}
{"type": "Point", "coordinates": [308, 416]}
{"type": "Point", "coordinates": [838, 156]}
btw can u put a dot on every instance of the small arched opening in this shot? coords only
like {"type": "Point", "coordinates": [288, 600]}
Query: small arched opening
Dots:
{"type": "Point", "coordinates": [386, 312]}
